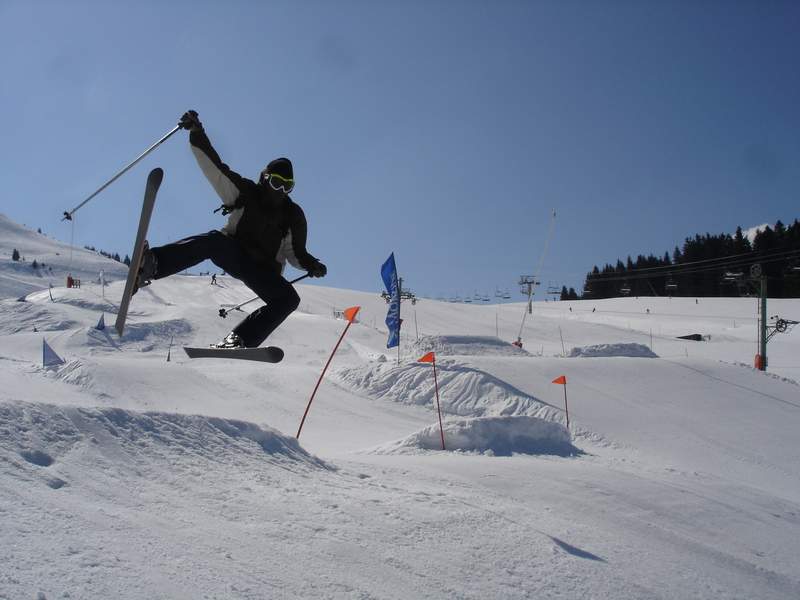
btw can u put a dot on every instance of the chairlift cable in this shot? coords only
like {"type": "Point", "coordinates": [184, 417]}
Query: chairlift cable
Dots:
{"type": "Point", "coordinates": [537, 273]}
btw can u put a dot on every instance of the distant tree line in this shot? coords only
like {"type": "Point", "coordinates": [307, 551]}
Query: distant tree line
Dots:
{"type": "Point", "coordinates": [707, 265]}
{"type": "Point", "coordinates": [115, 256]}
{"type": "Point", "coordinates": [569, 294]}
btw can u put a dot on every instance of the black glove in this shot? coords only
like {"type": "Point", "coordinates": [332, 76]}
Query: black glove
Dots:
{"type": "Point", "coordinates": [190, 121]}
{"type": "Point", "coordinates": [317, 270]}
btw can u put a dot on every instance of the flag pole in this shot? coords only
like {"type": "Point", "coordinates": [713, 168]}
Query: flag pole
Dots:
{"type": "Point", "coordinates": [438, 406]}
{"type": "Point", "coordinates": [350, 313]}
{"type": "Point", "coordinates": [430, 357]}
{"type": "Point", "coordinates": [562, 380]}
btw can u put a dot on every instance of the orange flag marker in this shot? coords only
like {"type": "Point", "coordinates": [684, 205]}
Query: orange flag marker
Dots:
{"type": "Point", "coordinates": [430, 357]}
{"type": "Point", "coordinates": [562, 380]}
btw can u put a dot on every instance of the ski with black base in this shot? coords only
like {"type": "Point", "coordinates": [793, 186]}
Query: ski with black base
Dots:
{"type": "Point", "coordinates": [150, 191]}
{"type": "Point", "coordinates": [270, 354]}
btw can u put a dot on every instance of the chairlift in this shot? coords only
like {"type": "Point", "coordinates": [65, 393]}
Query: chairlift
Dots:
{"type": "Point", "coordinates": [625, 290]}
{"type": "Point", "coordinates": [671, 286]}
{"type": "Point", "coordinates": [507, 295]}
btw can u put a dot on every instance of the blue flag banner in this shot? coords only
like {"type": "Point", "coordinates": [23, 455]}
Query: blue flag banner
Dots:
{"type": "Point", "coordinates": [389, 275]}
{"type": "Point", "coordinates": [49, 356]}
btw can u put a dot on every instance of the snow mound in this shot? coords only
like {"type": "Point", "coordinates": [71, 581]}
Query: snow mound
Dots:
{"type": "Point", "coordinates": [463, 390]}
{"type": "Point", "coordinates": [467, 345]}
{"type": "Point", "coordinates": [42, 435]}
{"type": "Point", "coordinates": [18, 316]}
{"type": "Point", "coordinates": [629, 350]}
{"type": "Point", "coordinates": [157, 330]}
{"type": "Point", "coordinates": [495, 436]}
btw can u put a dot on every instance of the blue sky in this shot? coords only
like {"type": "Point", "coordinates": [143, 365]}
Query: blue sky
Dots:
{"type": "Point", "coordinates": [443, 131]}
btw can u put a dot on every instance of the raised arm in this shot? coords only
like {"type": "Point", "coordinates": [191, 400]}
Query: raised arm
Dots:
{"type": "Point", "coordinates": [228, 184]}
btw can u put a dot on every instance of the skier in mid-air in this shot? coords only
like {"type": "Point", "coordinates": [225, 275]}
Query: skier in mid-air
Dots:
{"type": "Point", "coordinates": [265, 229]}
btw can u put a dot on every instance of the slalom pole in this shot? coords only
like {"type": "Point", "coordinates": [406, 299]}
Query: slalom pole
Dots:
{"type": "Point", "coordinates": [68, 215]}
{"type": "Point", "coordinates": [223, 312]}
{"type": "Point", "coordinates": [562, 380]}
{"type": "Point", "coordinates": [431, 358]}
{"type": "Point", "coordinates": [350, 314]}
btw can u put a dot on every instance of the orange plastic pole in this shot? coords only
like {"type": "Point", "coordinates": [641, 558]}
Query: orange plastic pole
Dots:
{"type": "Point", "coordinates": [350, 313]}
{"type": "Point", "coordinates": [562, 380]}
{"type": "Point", "coordinates": [438, 406]}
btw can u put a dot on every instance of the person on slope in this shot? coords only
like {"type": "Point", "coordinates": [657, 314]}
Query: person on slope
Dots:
{"type": "Point", "coordinates": [265, 229]}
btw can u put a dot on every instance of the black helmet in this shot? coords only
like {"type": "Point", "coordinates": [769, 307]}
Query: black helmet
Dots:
{"type": "Point", "coordinates": [280, 166]}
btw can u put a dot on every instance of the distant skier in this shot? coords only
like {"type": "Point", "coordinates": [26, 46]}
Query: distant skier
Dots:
{"type": "Point", "coordinates": [265, 229]}
{"type": "Point", "coordinates": [213, 279]}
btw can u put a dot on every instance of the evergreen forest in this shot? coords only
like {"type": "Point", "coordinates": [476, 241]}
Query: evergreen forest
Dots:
{"type": "Point", "coordinates": [708, 265]}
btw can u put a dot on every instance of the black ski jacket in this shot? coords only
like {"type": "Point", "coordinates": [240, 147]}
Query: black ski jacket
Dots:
{"type": "Point", "coordinates": [271, 232]}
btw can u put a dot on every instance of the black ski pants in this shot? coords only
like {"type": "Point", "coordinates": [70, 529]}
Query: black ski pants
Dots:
{"type": "Point", "coordinates": [225, 252]}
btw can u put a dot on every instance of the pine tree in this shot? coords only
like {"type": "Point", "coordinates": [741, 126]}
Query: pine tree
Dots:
{"type": "Point", "coordinates": [15, 255]}
{"type": "Point", "coordinates": [741, 245]}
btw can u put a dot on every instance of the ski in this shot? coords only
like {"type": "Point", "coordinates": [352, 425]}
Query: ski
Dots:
{"type": "Point", "coordinates": [270, 354]}
{"type": "Point", "coordinates": [150, 190]}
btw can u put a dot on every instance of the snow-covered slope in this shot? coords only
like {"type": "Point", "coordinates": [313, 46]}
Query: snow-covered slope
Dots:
{"type": "Point", "coordinates": [18, 278]}
{"type": "Point", "coordinates": [125, 475]}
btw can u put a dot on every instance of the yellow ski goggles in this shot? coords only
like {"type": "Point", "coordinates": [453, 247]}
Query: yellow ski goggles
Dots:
{"type": "Point", "coordinates": [279, 183]}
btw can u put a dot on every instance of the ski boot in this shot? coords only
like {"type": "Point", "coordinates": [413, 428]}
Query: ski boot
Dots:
{"type": "Point", "coordinates": [147, 268]}
{"type": "Point", "coordinates": [232, 340]}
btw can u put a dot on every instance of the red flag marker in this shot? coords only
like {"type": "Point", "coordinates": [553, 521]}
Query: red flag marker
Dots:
{"type": "Point", "coordinates": [562, 380]}
{"type": "Point", "coordinates": [430, 357]}
{"type": "Point", "coordinates": [350, 315]}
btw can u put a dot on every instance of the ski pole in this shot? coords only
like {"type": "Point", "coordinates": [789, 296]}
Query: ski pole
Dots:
{"type": "Point", "coordinates": [224, 312]}
{"type": "Point", "coordinates": [68, 215]}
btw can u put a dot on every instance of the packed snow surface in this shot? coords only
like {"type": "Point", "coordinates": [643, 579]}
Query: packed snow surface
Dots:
{"type": "Point", "coordinates": [476, 345]}
{"type": "Point", "coordinates": [133, 472]}
{"type": "Point", "coordinates": [494, 436]}
{"type": "Point", "coordinates": [630, 350]}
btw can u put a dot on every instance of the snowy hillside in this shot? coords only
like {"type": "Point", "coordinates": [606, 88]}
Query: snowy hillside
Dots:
{"type": "Point", "coordinates": [125, 475]}
{"type": "Point", "coordinates": [18, 278]}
